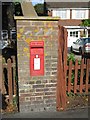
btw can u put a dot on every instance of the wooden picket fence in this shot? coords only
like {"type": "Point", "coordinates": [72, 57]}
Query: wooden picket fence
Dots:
{"type": "Point", "coordinates": [9, 86]}
{"type": "Point", "coordinates": [70, 78]}
{"type": "Point", "coordinates": [78, 77]}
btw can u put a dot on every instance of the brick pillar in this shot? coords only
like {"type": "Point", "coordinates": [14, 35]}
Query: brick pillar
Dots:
{"type": "Point", "coordinates": [37, 93]}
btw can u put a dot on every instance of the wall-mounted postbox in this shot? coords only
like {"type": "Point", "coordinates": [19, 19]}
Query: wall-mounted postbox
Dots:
{"type": "Point", "coordinates": [37, 58]}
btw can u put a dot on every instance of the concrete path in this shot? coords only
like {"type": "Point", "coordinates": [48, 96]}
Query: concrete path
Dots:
{"type": "Point", "coordinates": [77, 113]}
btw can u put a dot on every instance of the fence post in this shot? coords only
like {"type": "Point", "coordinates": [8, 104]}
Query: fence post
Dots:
{"type": "Point", "coordinates": [3, 85]}
{"type": "Point", "coordinates": [61, 68]}
{"type": "Point", "coordinates": [9, 67]}
{"type": "Point", "coordinates": [81, 75]}
{"type": "Point", "coordinates": [87, 75]}
{"type": "Point", "coordinates": [89, 65]}
{"type": "Point", "coordinates": [76, 75]}
{"type": "Point", "coordinates": [14, 72]}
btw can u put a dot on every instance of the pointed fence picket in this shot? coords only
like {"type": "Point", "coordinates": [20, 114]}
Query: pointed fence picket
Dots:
{"type": "Point", "coordinates": [8, 81]}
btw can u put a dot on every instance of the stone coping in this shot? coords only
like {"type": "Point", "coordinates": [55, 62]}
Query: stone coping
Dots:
{"type": "Point", "coordinates": [36, 18]}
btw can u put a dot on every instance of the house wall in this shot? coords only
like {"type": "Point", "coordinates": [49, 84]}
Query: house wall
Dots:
{"type": "Point", "coordinates": [37, 93]}
{"type": "Point", "coordinates": [68, 5]}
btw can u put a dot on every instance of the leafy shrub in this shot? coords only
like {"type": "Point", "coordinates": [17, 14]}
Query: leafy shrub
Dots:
{"type": "Point", "coordinates": [72, 57]}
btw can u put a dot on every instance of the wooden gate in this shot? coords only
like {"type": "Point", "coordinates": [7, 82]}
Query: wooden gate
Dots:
{"type": "Point", "coordinates": [80, 83]}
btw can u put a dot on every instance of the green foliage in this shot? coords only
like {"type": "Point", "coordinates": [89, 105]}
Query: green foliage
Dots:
{"type": "Point", "coordinates": [86, 22]}
{"type": "Point", "coordinates": [70, 94]}
{"type": "Point", "coordinates": [79, 62]}
{"type": "Point", "coordinates": [72, 57]}
{"type": "Point", "coordinates": [17, 9]}
{"type": "Point", "coordinates": [73, 76]}
{"type": "Point", "coordinates": [39, 8]}
{"type": "Point", "coordinates": [15, 101]}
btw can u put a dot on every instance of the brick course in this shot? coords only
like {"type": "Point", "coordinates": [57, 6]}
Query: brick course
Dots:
{"type": "Point", "coordinates": [37, 93]}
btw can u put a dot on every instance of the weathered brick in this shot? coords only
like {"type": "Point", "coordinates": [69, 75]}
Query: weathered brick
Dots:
{"type": "Point", "coordinates": [38, 82]}
{"type": "Point", "coordinates": [39, 90]}
{"type": "Point", "coordinates": [48, 69]}
{"type": "Point", "coordinates": [31, 82]}
{"type": "Point", "coordinates": [53, 81]}
{"type": "Point", "coordinates": [37, 102]}
{"type": "Point", "coordinates": [32, 90]}
{"type": "Point", "coordinates": [48, 73]}
{"type": "Point", "coordinates": [27, 98]}
{"type": "Point", "coordinates": [25, 95]}
{"type": "Point", "coordinates": [47, 57]}
{"type": "Point", "coordinates": [50, 85]}
{"type": "Point", "coordinates": [46, 89]}
{"type": "Point", "coordinates": [45, 81]}
{"type": "Point", "coordinates": [48, 61]}
{"type": "Point", "coordinates": [47, 65]}
{"type": "Point", "coordinates": [22, 99]}
{"type": "Point", "coordinates": [38, 98]}
{"type": "Point", "coordinates": [54, 65]}
{"type": "Point", "coordinates": [38, 94]}
{"type": "Point", "coordinates": [21, 91]}
{"type": "Point", "coordinates": [37, 23]}
{"type": "Point", "coordinates": [49, 93]}
{"type": "Point", "coordinates": [23, 23]}
{"type": "Point", "coordinates": [53, 89]}
{"type": "Point", "coordinates": [32, 98]}
{"type": "Point", "coordinates": [48, 96]}
{"type": "Point", "coordinates": [50, 101]}
{"type": "Point", "coordinates": [38, 86]}
{"type": "Point", "coordinates": [54, 60]}
{"type": "Point", "coordinates": [54, 73]}
{"type": "Point", "coordinates": [54, 69]}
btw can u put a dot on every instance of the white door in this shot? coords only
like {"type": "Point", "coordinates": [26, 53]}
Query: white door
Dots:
{"type": "Point", "coordinates": [73, 35]}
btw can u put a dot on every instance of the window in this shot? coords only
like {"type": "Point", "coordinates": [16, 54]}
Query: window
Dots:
{"type": "Point", "coordinates": [74, 34]}
{"type": "Point", "coordinates": [79, 14]}
{"type": "Point", "coordinates": [60, 13]}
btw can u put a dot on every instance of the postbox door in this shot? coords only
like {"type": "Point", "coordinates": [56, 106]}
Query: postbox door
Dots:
{"type": "Point", "coordinates": [37, 62]}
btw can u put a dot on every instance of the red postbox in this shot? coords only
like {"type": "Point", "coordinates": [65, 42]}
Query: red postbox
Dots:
{"type": "Point", "coordinates": [37, 58]}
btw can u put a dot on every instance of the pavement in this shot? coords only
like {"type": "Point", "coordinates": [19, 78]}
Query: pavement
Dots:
{"type": "Point", "coordinates": [74, 113]}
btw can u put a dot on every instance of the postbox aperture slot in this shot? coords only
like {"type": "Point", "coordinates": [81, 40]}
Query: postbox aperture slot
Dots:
{"type": "Point", "coordinates": [35, 47]}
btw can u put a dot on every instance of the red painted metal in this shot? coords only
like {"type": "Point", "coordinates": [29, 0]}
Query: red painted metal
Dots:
{"type": "Point", "coordinates": [37, 58]}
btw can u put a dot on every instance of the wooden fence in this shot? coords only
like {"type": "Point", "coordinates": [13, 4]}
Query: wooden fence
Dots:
{"type": "Point", "coordinates": [70, 78]}
{"type": "Point", "coordinates": [8, 79]}
{"type": "Point", "coordinates": [78, 78]}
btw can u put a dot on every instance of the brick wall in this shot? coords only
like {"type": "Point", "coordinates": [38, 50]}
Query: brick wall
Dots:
{"type": "Point", "coordinates": [37, 93]}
